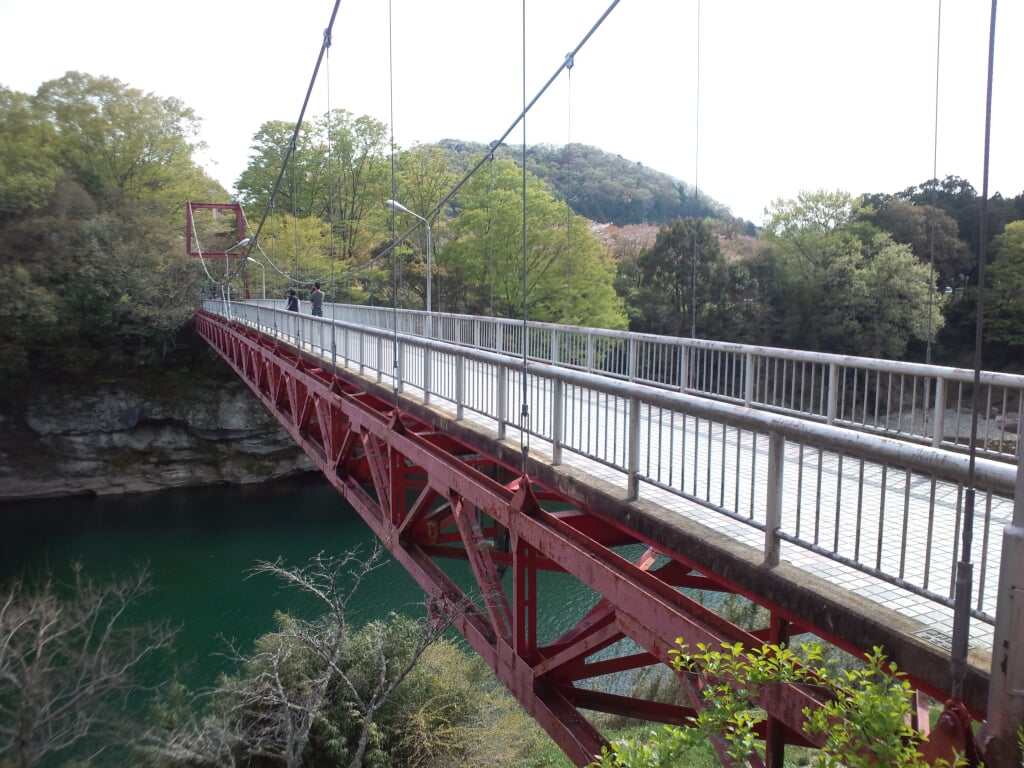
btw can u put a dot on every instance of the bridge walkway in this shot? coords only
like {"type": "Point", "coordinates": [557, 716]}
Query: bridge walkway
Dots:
{"type": "Point", "coordinates": [855, 532]}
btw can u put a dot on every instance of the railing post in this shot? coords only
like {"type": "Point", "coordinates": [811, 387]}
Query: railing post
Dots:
{"type": "Point", "coordinates": [557, 408]}
{"type": "Point", "coordinates": [633, 460]}
{"type": "Point", "coordinates": [334, 347]}
{"type": "Point", "coordinates": [380, 354]}
{"type": "Point", "coordinates": [1005, 715]}
{"type": "Point", "coordinates": [748, 380]}
{"type": "Point", "coordinates": [502, 404]}
{"type": "Point", "coordinates": [773, 509]}
{"type": "Point", "coordinates": [460, 387]}
{"type": "Point", "coordinates": [554, 346]}
{"type": "Point", "coordinates": [380, 358]}
{"type": "Point", "coordinates": [684, 367]}
{"type": "Point", "coordinates": [939, 422]}
{"type": "Point", "coordinates": [833, 393]}
{"type": "Point", "coordinates": [399, 366]}
{"type": "Point", "coordinates": [631, 361]}
{"type": "Point", "coordinates": [426, 375]}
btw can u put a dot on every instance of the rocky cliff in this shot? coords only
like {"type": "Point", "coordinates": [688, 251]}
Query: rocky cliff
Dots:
{"type": "Point", "coordinates": [121, 439]}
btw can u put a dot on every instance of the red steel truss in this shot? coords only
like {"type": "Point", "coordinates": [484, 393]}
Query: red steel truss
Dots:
{"type": "Point", "coordinates": [440, 504]}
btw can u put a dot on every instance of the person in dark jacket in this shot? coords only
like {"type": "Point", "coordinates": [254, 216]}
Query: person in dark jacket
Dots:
{"type": "Point", "coordinates": [292, 302]}
{"type": "Point", "coordinates": [316, 300]}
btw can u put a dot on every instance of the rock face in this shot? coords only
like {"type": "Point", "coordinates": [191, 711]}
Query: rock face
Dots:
{"type": "Point", "coordinates": [119, 440]}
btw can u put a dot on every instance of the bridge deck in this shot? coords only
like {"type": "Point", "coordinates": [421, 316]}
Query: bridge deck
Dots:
{"type": "Point", "coordinates": [864, 548]}
{"type": "Point", "coordinates": [929, 533]}
{"type": "Point", "coordinates": [744, 461]}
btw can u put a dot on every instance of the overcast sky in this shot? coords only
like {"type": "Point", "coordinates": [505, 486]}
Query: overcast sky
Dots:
{"type": "Point", "coordinates": [793, 94]}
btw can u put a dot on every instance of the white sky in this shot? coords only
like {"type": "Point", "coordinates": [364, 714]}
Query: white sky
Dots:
{"type": "Point", "coordinates": [793, 94]}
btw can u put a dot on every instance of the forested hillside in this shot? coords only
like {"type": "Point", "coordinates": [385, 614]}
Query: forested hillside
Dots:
{"type": "Point", "coordinates": [603, 187]}
{"type": "Point", "coordinates": [96, 174]}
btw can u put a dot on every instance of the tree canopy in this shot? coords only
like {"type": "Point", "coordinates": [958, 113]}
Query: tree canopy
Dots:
{"type": "Point", "coordinates": [91, 200]}
{"type": "Point", "coordinates": [95, 174]}
{"type": "Point", "coordinates": [569, 277]}
{"type": "Point", "coordinates": [1004, 307]}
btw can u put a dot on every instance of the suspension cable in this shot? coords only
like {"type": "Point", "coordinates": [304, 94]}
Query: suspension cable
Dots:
{"type": "Point", "coordinates": [696, 190]}
{"type": "Point", "coordinates": [567, 299]}
{"type": "Point", "coordinates": [964, 568]}
{"type": "Point", "coordinates": [394, 213]}
{"type": "Point", "coordinates": [524, 415]}
{"type": "Point", "coordinates": [298, 125]}
{"type": "Point", "coordinates": [330, 176]}
{"type": "Point", "coordinates": [501, 140]}
{"type": "Point", "coordinates": [935, 183]}
{"type": "Point", "coordinates": [490, 223]}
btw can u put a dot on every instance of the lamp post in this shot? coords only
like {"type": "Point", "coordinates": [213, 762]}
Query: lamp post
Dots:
{"type": "Point", "coordinates": [396, 206]}
{"type": "Point", "coordinates": [263, 269]}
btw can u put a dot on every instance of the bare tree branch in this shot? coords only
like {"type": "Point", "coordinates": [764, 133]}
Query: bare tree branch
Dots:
{"type": "Point", "coordinates": [68, 662]}
{"type": "Point", "coordinates": [296, 675]}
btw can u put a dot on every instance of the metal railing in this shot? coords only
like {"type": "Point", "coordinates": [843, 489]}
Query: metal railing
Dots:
{"type": "Point", "coordinates": [926, 404]}
{"type": "Point", "coordinates": [887, 508]}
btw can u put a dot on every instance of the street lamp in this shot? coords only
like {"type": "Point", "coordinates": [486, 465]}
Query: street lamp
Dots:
{"type": "Point", "coordinates": [264, 270]}
{"type": "Point", "coordinates": [245, 281]}
{"type": "Point", "coordinates": [398, 207]}
{"type": "Point", "coordinates": [239, 244]}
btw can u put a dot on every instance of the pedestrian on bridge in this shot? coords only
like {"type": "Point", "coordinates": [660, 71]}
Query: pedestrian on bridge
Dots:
{"type": "Point", "coordinates": [316, 298]}
{"type": "Point", "coordinates": [292, 302]}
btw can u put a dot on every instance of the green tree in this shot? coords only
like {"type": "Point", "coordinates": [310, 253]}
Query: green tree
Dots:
{"type": "Point", "coordinates": [297, 252]}
{"type": "Point", "coordinates": [840, 285]}
{"type": "Point", "coordinates": [663, 291]}
{"type": "Point", "coordinates": [123, 145]}
{"type": "Point", "coordinates": [28, 164]}
{"type": "Point", "coordinates": [569, 276]}
{"type": "Point", "coordinates": [929, 232]}
{"type": "Point", "coordinates": [337, 172]}
{"type": "Point", "coordinates": [862, 720]}
{"type": "Point", "coordinates": [897, 299]}
{"type": "Point", "coordinates": [1004, 299]}
{"type": "Point", "coordinates": [90, 237]}
{"type": "Point", "coordinates": [322, 692]}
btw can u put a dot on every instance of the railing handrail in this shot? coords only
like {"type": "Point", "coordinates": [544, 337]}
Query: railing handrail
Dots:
{"type": "Point", "coordinates": [965, 375]}
{"type": "Point", "coordinates": [917, 402]}
{"type": "Point", "coordinates": [993, 476]}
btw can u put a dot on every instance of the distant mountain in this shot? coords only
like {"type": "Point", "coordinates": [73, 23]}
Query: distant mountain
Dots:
{"type": "Point", "coordinates": [603, 187]}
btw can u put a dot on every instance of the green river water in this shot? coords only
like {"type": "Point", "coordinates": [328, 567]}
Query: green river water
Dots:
{"type": "Point", "coordinates": [199, 546]}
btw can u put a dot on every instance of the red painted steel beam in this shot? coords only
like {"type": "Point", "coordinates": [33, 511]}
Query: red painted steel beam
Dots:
{"type": "Point", "coordinates": [435, 503]}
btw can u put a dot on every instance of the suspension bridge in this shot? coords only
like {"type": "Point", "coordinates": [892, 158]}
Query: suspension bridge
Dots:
{"type": "Point", "coordinates": [830, 491]}
{"type": "Point", "coordinates": [866, 503]}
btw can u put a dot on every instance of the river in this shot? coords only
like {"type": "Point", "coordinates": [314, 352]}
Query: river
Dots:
{"type": "Point", "coordinates": [199, 546]}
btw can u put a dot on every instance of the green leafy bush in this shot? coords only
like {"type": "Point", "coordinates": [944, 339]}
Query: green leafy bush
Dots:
{"type": "Point", "coordinates": [862, 721]}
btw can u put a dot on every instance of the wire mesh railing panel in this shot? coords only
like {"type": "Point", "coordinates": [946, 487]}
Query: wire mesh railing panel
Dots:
{"type": "Point", "coordinates": [713, 464]}
{"type": "Point", "coordinates": [481, 387]}
{"type": "Point", "coordinates": [656, 363]}
{"type": "Point", "coordinates": [444, 376]}
{"type": "Point", "coordinates": [595, 425]}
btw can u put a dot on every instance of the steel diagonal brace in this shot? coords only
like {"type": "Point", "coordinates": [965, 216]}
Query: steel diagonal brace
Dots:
{"type": "Point", "coordinates": [376, 450]}
{"type": "Point", "coordinates": [647, 610]}
{"type": "Point", "coordinates": [486, 574]}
